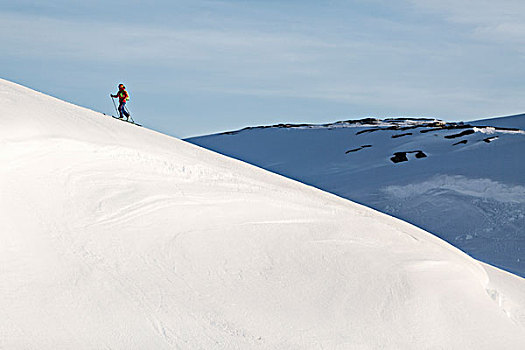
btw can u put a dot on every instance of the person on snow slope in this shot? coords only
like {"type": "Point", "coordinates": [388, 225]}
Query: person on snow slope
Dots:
{"type": "Point", "coordinates": [123, 97]}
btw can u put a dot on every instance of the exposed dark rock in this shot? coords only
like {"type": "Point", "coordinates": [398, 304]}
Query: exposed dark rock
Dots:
{"type": "Point", "coordinates": [370, 121]}
{"type": "Point", "coordinates": [357, 149]}
{"type": "Point", "coordinates": [420, 154]}
{"type": "Point", "coordinates": [402, 156]}
{"type": "Point", "coordinates": [399, 157]}
{"type": "Point", "coordinates": [461, 142]}
{"type": "Point", "coordinates": [401, 135]}
{"type": "Point", "coordinates": [433, 129]}
{"type": "Point", "coordinates": [490, 139]}
{"type": "Point", "coordinates": [292, 125]}
{"type": "Point", "coordinates": [463, 133]}
{"type": "Point", "coordinates": [367, 130]}
{"type": "Point", "coordinates": [400, 124]}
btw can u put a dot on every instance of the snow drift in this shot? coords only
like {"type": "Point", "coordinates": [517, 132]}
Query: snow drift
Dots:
{"type": "Point", "coordinates": [117, 237]}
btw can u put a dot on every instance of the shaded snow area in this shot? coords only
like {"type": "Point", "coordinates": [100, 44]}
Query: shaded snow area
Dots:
{"type": "Point", "coordinates": [464, 182]}
{"type": "Point", "coordinates": [487, 217]}
{"type": "Point", "coordinates": [117, 237]}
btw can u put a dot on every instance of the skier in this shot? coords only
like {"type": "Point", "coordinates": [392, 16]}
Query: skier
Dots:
{"type": "Point", "coordinates": [123, 97]}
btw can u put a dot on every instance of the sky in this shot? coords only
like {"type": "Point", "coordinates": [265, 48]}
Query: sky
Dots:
{"type": "Point", "coordinates": [204, 66]}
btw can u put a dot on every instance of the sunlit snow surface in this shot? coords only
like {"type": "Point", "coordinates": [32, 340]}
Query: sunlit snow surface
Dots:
{"type": "Point", "coordinates": [117, 237]}
{"type": "Point", "coordinates": [468, 190]}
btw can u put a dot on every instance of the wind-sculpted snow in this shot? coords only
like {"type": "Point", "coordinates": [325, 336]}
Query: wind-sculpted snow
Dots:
{"type": "Point", "coordinates": [484, 189]}
{"type": "Point", "coordinates": [486, 217]}
{"type": "Point", "coordinates": [117, 237]}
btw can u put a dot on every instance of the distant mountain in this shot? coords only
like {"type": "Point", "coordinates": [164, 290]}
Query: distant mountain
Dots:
{"type": "Point", "coordinates": [514, 121]}
{"type": "Point", "coordinates": [464, 182]}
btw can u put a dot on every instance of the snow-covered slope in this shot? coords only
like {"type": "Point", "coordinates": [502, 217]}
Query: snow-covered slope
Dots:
{"type": "Point", "coordinates": [463, 182]}
{"type": "Point", "coordinates": [117, 237]}
{"type": "Point", "coordinates": [513, 121]}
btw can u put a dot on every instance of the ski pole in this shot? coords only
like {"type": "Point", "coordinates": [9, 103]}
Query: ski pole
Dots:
{"type": "Point", "coordinates": [127, 110]}
{"type": "Point", "coordinates": [114, 105]}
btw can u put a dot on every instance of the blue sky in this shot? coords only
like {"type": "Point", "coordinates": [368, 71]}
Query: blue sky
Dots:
{"type": "Point", "coordinates": [198, 67]}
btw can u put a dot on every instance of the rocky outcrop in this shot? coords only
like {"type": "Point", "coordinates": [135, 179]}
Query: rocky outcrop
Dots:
{"type": "Point", "coordinates": [460, 142]}
{"type": "Point", "coordinates": [490, 139]}
{"type": "Point", "coordinates": [401, 135]}
{"type": "Point", "coordinates": [357, 149]}
{"type": "Point", "coordinates": [402, 156]}
{"type": "Point", "coordinates": [461, 134]}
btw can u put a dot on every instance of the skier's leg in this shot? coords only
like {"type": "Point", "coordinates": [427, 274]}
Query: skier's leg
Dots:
{"type": "Point", "coordinates": [121, 110]}
{"type": "Point", "coordinates": [126, 113]}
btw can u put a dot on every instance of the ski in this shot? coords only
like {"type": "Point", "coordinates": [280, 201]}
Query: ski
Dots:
{"type": "Point", "coordinates": [126, 121]}
{"type": "Point", "coordinates": [123, 120]}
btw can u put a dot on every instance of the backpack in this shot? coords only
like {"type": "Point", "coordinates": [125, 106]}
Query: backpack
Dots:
{"type": "Point", "coordinates": [123, 95]}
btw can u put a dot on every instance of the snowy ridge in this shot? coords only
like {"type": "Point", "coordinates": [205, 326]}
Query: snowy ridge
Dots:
{"type": "Point", "coordinates": [118, 237]}
{"type": "Point", "coordinates": [385, 124]}
{"type": "Point", "coordinates": [366, 122]}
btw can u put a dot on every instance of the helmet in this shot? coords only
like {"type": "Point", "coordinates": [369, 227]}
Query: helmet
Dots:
{"type": "Point", "coordinates": [121, 86]}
